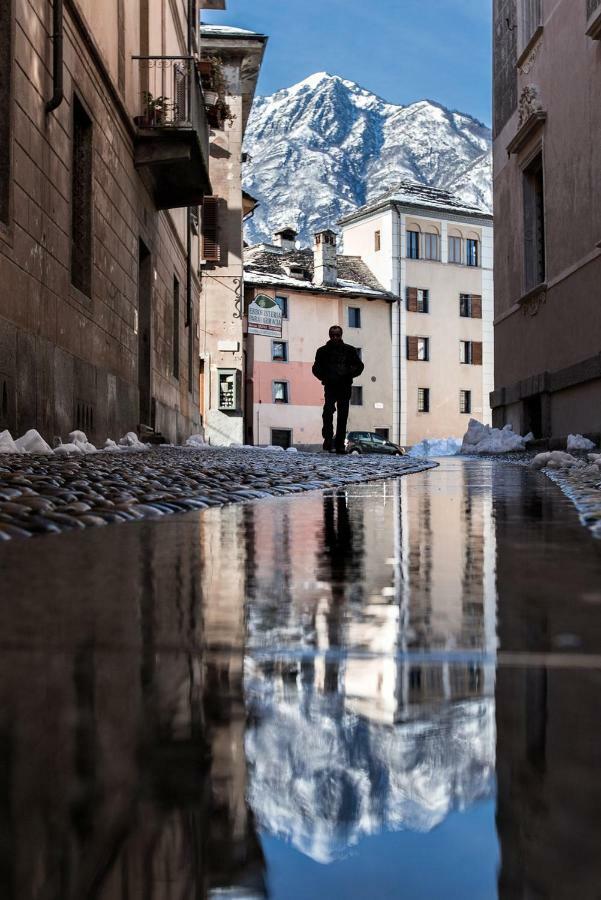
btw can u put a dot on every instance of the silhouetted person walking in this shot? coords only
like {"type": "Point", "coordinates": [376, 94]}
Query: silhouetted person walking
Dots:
{"type": "Point", "coordinates": [336, 364]}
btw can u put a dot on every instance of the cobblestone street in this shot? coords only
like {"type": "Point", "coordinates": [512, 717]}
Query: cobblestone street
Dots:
{"type": "Point", "coordinates": [45, 494]}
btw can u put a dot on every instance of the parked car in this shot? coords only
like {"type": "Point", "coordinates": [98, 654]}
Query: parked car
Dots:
{"type": "Point", "coordinates": [370, 442]}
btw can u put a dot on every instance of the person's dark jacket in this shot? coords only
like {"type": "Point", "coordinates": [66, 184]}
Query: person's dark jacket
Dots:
{"type": "Point", "coordinates": [337, 363]}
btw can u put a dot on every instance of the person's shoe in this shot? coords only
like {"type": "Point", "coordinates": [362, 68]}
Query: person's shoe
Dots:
{"type": "Point", "coordinates": [327, 446]}
{"type": "Point", "coordinates": [340, 451]}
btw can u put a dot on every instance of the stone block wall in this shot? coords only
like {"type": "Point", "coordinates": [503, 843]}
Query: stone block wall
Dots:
{"type": "Point", "coordinates": [67, 359]}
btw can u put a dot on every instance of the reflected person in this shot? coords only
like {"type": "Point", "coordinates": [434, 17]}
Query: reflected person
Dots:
{"type": "Point", "coordinates": [336, 364]}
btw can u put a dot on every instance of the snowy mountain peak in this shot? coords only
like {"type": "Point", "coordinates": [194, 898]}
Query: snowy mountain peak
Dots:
{"type": "Point", "coordinates": [326, 145]}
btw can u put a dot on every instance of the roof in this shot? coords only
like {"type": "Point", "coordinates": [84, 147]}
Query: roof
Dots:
{"type": "Point", "coordinates": [228, 31]}
{"type": "Point", "coordinates": [269, 265]}
{"type": "Point", "coordinates": [410, 193]}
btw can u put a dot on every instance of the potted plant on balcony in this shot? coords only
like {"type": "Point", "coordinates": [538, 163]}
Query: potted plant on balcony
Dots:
{"type": "Point", "coordinates": [156, 110]}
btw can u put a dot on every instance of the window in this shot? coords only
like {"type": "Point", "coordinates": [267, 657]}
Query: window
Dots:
{"type": "Point", "coordinates": [281, 437]}
{"type": "Point", "coordinates": [534, 224]}
{"type": "Point", "coordinates": [175, 328]}
{"type": "Point", "coordinates": [431, 246]}
{"type": "Point", "coordinates": [377, 241]}
{"type": "Point", "coordinates": [423, 400]}
{"type": "Point", "coordinates": [418, 300]}
{"type": "Point", "coordinates": [211, 250]}
{"type": "Point", "coordinates": [418, 349]}
{"type": "Point", "coordinates": [280, 392]}
{"type": "Point", "coordinates": [413, 244]}
{"type": "Point", "coordinates": [354, 317]}
{"type": "Point", "coordinates": [470, 306]}
{"type": "Point", "coordinates": [465, 401]}
{"type": "Point", "coordinates": [455, 250]}
{"type": "Point", "coordinates": [384, 433]}
{"type": "Point", "coordinates": [6, 62]}
{"type": "Point", "coordinates": [356, 395]}
{"type": "Point", "coordinates": [472, 252]}
{"type": "Point", "coordinates": [282, 302]}
{"type": "Point", "coordinates": [279, 351]}
{"type": "Point", "coordinates": [470, 353]}
{"type": "Point", "coordinates": [531, 19]}
{"type": "Point", "coordinates": [227, 387]}
{"type": "Point", "coordinates": [81, 200]}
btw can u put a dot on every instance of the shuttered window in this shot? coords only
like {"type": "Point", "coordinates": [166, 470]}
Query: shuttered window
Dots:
{"type": "Point", "coordinates": [418, 300]}
{"type": "Point", "coordinates": [470, 306]}
{"type": "Point", "coordinates": [418, 349]}
{"type": "Point", "coordinates": [470, 353]}
{"type": "Point", "coordinates": [211, 250]}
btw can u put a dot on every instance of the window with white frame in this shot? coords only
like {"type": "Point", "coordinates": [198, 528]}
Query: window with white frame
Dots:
{"type": "Point", "coordinates": [354, 317]}
{"type": "Point", "coordinates": [279, 351]}
{"type": "Point", "coordinates": [432, 246]}
{"type": "Point", "coordinates": [280, 392]}
{"type": "Point", "coordinates": [413, 244]}
{"type": "Point", "coordinates": [455, 249]}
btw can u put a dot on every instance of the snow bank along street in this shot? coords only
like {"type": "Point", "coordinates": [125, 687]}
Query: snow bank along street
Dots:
{"type": "Point", "coordinates": [578, 477]}
{"type": "Point", "coordinates": [45, 493]}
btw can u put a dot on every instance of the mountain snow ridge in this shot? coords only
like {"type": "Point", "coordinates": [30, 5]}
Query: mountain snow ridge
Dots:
{"type": "Point", "coordinates": [321, 148]}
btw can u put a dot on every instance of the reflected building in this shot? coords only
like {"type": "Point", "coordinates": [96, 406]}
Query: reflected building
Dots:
{"type": "Point", "coordinates": [122, 771]}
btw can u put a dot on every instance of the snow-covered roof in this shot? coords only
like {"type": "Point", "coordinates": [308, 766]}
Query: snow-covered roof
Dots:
{"type": "Point", "coordinates": [410, 193]}
{"type": "Point", "coordinates": [267, 264]}
{"type": "Point", "coordinates": [227, 31]}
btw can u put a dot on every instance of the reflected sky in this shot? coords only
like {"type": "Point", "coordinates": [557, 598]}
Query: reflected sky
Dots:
{"type": "Point", "coordinates": [390, 690]}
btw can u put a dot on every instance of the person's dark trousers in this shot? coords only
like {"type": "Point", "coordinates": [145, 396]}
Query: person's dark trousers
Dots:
{"type": "Point", "coordinates": [337, 399]}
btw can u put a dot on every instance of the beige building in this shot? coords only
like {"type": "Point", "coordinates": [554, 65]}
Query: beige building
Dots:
{"type": "Point", "coordinates": [239, 55]}
{"type": "Point", "coordinates": [104, 161]}
{"type": "Point", "coordinates": [436, 253]}
{"type": "Point", "coordinates": [547, 164]}
{"type": "Point", "coordinates": [315, 289]}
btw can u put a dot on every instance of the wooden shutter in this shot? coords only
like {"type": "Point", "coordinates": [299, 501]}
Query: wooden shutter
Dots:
{"type": "Point", "coordinates": [411, 299]}
{"type": "Point", "coordinates": [476, 353]}
{"type": "Point", "coordinates": [211, 251]}
{"type": "Point", "coordinates": [476, 306]}
{"type": "Point", "coordinates": [412, 348]}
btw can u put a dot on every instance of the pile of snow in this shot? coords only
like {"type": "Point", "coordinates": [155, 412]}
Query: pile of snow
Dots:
{"type": "Point", "coordinates": [32, 442]}
{"type": "Point", "coordinates": [7, 445]}
{"type": "Point", "coordinates": [557, 459]}
{"type": "Point", "coordinates": [481, 438]}
{"type": "Point", "coordinates": [577, 442]}
{"type": "Point", "coordinates": [131, 439]}
{"type": "Point", "coordinates": [442, 447]}
{"type": "Point", "coordinates": [197, 440]}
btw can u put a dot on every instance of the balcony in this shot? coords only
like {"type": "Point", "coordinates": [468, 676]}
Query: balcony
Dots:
{"type": "Point", "coordinates": [172, 140]}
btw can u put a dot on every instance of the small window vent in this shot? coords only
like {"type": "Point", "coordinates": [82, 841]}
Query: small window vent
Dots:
{"type": "Point", "coordinates": [84, 417]}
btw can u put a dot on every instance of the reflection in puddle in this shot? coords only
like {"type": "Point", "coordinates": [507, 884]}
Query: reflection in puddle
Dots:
{"type": "Point", "coordinates": [298, 698]}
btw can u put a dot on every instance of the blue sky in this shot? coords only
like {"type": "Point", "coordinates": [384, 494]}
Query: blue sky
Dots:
{"type": "Point", "coordinates": [403, 50]}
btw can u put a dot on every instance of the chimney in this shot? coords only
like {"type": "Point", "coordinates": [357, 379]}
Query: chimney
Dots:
{"type": "Point", "coordinates": [324, 258]}
{"type": "Point", "coordinates": [285, 238]}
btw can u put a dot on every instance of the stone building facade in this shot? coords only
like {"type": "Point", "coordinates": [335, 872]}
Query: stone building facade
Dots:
{"type": "Point", "coordinates": [240, 54]}
{"type": "Point", "coordinates": [547, 164]}
{"type": "Point", "coordinates": [436, 253]}
{"type": "Point", "coordinates": [99, 286]}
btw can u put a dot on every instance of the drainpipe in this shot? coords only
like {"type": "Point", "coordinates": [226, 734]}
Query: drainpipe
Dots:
{"type": "Point", "coordinates": [396, 362]}
{"type": "Point", "coordinates": [57, 57]}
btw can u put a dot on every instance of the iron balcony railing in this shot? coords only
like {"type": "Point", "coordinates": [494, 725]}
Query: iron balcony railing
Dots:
{"type": "Point", "coordinates": [170, 96]}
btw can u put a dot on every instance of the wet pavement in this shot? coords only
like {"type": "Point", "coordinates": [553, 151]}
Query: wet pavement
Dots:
{"type": "Point", "coordinates": [391, 690]}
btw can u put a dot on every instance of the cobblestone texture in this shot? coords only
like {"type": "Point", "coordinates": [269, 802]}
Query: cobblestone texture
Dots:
{"type": "Point", "coordinates": [45, 494]}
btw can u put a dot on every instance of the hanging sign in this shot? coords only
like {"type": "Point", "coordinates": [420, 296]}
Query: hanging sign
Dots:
{"type": "Point", "coordinates": [265, 317]}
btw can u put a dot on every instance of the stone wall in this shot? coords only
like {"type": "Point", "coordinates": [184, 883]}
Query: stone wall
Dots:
{"type": "Point", "coordinates": [67, 359]}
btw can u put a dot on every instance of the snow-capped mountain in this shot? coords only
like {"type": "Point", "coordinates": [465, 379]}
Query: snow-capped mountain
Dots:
{"type": "Point", "coordinates": [322, 147]}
